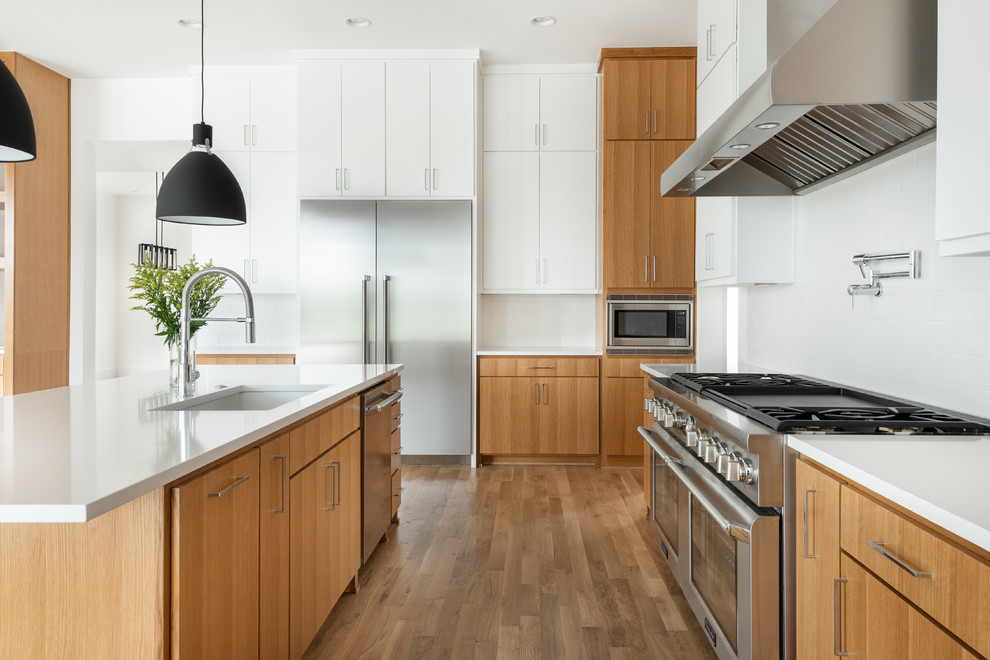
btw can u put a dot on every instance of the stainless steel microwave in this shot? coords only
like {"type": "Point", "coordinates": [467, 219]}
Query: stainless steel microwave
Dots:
{"type": "Point", "coordinates": [650, 323]}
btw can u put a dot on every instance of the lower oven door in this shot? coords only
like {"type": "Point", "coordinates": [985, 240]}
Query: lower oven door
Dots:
{"type": "Point", "coordinates": [728, 551]}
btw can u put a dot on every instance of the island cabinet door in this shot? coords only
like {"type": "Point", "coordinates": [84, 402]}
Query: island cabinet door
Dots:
{"type": "Point", "coordinates": [346, 551]}
{"type": "Point", "coordinates": [273, 628]}
{"type": "Point", "coordinates": [215, 562]}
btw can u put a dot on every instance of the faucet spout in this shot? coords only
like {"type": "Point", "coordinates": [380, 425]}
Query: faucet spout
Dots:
{"type": "Point", "coordinates": [187, 368]}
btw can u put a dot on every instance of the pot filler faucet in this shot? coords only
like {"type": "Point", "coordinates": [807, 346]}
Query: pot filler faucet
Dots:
{"type": "Point", "coordinates": [187, 370]}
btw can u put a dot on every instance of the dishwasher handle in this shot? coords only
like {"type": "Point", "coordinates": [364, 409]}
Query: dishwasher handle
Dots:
{"type": "Point", "coordinates": [378, 407]}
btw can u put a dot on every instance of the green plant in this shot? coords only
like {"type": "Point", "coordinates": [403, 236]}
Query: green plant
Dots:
{"type": "Point", "coordinates": [160, 291]}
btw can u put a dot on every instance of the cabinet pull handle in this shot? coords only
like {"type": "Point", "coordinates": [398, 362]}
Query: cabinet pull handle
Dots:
{"type": "Point", "coordinates": [254, 135]}
{"type": "Point", "coordinates": [711, 42]}
{"type": "Point", "coordinates": [434, 178]}
{"type": "Point", "coordinates": [281, 509]}
{"type": "Point", "coordinates": [879, 547]}
{"type": "Point", "coordinates": [544, 134]}
{"type": "Point", "coordinates": [245, 135]}
{"type": "Point", "coordinates": [536, 135]}
{"type": "Point", "coordinates": [806, 555]}
{"type": "Point", "coordinates": [244, 270]}
{"type": "Point", "coordinates": [647, 122]}
{"type": "Point", "coordinates": [654, 121]}
{"type": "Point", "coordinates": [539, 367]}
{"type": "Point", "coordinates": [536, 394]}
{"type": "Point", "coordinates": [536, 277]}
{"type": "Point", "coordinates": [646, 268]}
{"type": "Point", "coordinates": [332, 474]}
{"type": "Point", "coordinates": [254, 271]}
{"type": "Point", "coordinates": [544, 394]}
{"type": "Point", "coordinates": [339, 472]}
{"type": "Point", "coordinates": [426, 179]}
{"type": "Point", "coordinates": [231, 487]}
{"type": "Point", "coordinates": [836, 613]}
{"type": "Point", "coordinates": [338, 178]}
{"type": "Point", "coordinates": [545, 268]}
{"type": "Point", "coordinates": [347, 178]}
{"type": "Point", "coordinates": [654, 268]}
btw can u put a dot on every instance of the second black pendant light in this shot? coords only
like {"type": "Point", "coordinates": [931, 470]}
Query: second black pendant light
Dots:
{"type": "Point", "coordinates": [17, 139]}
{"type": "Point", "coordinates": [200, 189]}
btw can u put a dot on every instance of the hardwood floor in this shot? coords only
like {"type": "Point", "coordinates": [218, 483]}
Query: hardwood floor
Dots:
{"type": "Point", "coordinates": [515, 561]}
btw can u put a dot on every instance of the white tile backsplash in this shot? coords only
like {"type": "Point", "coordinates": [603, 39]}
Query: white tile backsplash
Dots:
{"type": "Point", "coordinates": [537, 321]}
{"type": "Point", "coordinates": [926, 339]}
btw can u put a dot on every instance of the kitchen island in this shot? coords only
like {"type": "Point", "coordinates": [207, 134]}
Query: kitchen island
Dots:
{"type": "Point", "coordinates": [108, 546]}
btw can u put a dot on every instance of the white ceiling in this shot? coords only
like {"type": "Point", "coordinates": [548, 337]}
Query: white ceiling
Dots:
{"type": "Point", "coordinates": [141, 38]}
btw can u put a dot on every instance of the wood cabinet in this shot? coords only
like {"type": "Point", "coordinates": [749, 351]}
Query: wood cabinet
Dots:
{"type": "Point", "coordinates": [540, 112]}
{"type": "Point", "coordinates": [648, 239]}
{"type": "Point", "coordinates": [429, 128]}
{"type": "Point", "coordinates": [539, 222]}
{"type": "Point", "coordinates": [536, 410]}
{"type": "Point", "coordinates": [395, 383]}
{"type": "Point", "coordinates": [215, 536]}
{"type": "Point", "coordinates": [273, 554]}
{"type": "Point", "coordinates": [872, 581]}
{"type": "Point", "coordinates": [622, 413]}
{"type": "Point", "coordinates": [245, 358]}
{"type": "Point", "coordinates": [342, 115]}
{"type": "Point", "coordinates": [648, 99]}
{"type": "Point", "coordinates": [34, 206]}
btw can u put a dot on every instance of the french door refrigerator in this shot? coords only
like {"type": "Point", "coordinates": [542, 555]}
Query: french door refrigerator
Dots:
{"type": "Point", "coordinates": [390, 282]}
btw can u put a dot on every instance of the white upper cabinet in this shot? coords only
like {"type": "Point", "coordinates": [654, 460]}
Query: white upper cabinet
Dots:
{"type": "Point", "coordinates": [342, 118]}
{"type": "Point", "coordinates": [540, 113]}
{"type": "Point", "coordinates": [961, 225]}
{"type": "Point", "coordinates": [716, 32]}
{"type": "Point", "coordinates": [249, 113]}
{"type": "Point", "coordinates": [429, 110]}
{"type": "Point", "coordinates": [539, 215]}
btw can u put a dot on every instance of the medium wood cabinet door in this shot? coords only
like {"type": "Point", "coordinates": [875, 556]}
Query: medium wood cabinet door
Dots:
{"type": "Point", "coordinates": [273, 631]}
{"type": "Point", "coordinates": [817, 560]}
{"type": "Point", "coordinates": [628, 111]}
{"type": "Point", "coordinates": [626, 213]}
{"type": "Point", "coordinates": [311, 524]}
{"type": "Point", "coordinates": [345, 553]}
{"type": "Point", "coordinates": [673, 99]}
{"type": "Point", "coordinates": [508, 412]}
{"type": "Point", "coordinates": [875, 623]}
{"type": "Point", "coordinates": [215, 562]}
{"type": "Point", "coordinates": [622, 413]}
{"type": "Point", "coordinates": [568, 416]}
{"type": "Point", "coordinates": [672, 225]}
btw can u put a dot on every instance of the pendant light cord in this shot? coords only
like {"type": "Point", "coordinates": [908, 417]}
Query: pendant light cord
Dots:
{"type": "Point", "coordinates": [202, 61]}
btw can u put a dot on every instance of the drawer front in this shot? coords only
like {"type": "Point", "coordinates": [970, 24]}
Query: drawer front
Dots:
{"type": "Point", "coordinates": [321, 433]}
{"type": "Point", "coordinates": [395, 410]}
{"type": "Point", "coordinates": [541, 367]}
{"type": "Point", "coordinates": [396, 450]}
{"type": "Point", "coordinates": [396, 492]}
{"type": "Point", "coordinates": [955, 591]}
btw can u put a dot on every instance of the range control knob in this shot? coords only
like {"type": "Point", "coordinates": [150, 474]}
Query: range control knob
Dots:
{"type": "Point", "coordinates": [738, 468]}
{"type": "Point", "coordinates": [704, 439]}
{"type": "Point", "coordinates": [712, 451]}
{"type": "Point", "coordinates": [658, 410]}
{"type": "Point", "coordinates": [691, 431]}
{"type": "Point", "coordinates": [722, 464]}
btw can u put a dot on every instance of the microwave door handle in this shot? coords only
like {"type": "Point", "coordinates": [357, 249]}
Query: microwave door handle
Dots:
{"type": "Point", "coordinates": [735, 530]}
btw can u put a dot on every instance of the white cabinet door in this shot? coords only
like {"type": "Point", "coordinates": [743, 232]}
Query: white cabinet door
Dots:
{"type": "Point", "coordinates": [273, 222]}
{"type": "Point", "coordinates": [451, 128]}
{"type": "Point", "coordinates": [511, 113]}
{"type": "Point", "coordinates": [228, 246]}
{"type": "Point", "coordinates": [362, 144]}
{"type": "Point", "coordinates": [568, 221]}
{"type": "Point", "coordinates": [716, 32]}
{"type": "Point", "coordinates": [568, 113]}
{"type": "Point", "coordinates": [319, 123]}
{"type": "Point", "coordinates": [407, 129]}
{"type": "Point", "coordinates": [228, 110]}
{"type": "Point", "coordinates": [273, 113]}
{"type": "Point", "coordinates": [713, 237]}
{"type": "Point", "coordinates": [718, 91]}
{"type": "Point", "coordinates": [511, 221]}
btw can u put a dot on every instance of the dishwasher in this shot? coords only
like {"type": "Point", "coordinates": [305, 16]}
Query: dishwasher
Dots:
{"type": "Point", "coordinates": [376, 464]}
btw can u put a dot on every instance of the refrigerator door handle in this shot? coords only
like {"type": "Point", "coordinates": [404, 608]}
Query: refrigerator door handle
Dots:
{"type": "Point", "coordinates": [385, 280]}
{"type": "Point", "coordinates": [364, 311]}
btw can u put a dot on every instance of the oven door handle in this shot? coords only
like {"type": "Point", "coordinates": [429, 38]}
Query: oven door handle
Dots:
{"type": "Point", "coordinates": [733, 529]}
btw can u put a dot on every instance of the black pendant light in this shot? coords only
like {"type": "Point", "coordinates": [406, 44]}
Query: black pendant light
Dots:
{"type": "Point", "coordinates": [17, 142]}
{"type": "Point", "coordinates": [200, 189]}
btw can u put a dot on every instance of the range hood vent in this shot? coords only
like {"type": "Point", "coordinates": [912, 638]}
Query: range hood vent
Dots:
{"type": "Point", "coordinates": [856, 89]}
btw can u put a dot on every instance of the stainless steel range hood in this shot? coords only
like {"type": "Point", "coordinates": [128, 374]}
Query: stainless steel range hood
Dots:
{"type": "Point", "coordinates": [855, 88]}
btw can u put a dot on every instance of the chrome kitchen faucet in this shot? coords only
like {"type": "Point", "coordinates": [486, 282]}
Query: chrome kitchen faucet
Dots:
{"type": "Point", "coordinates": [187, 368]}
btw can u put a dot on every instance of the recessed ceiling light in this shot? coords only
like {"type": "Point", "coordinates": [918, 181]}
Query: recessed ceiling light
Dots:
{"type": "Point", "coordinates": [740, 146]}
{"type": "Point", "coordinates": [768, 125]}
{"type": "Point", "coordinates": [543, 21]}
{"type": "Point", "coordinates": [684, 190]}
{"type": "Point", "coordinates": [191, 23]}
{"type": "Point", "coordinates": [358, 22]}
{"type": "Point", "coordinates": [697, 178]}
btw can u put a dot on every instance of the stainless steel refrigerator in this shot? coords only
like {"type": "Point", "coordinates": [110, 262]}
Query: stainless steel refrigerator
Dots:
{"type": "Point", "coordinates": [390, 282]}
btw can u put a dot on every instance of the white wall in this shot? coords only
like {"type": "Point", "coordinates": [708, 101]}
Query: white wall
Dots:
{"type": "Point", "coordinates": [927, 339]}
{"type": "Point", "coordinates": [538, 321]}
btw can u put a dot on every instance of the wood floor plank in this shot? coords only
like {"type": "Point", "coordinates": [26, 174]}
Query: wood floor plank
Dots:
{"type": "Point", "coordinates": [537, 562]}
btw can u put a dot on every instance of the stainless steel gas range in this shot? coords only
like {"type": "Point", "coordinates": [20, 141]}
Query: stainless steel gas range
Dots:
{"type": "Point", "coordinates": [721, 508]}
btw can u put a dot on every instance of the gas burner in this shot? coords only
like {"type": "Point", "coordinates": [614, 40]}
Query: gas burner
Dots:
{"type": "Point", "coordinates": [699, 382]}
{"type": "Point", "coordinates": [867, 414]}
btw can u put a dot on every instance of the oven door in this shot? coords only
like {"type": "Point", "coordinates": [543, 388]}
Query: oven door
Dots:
{"type": "Point", "coordinates": [728, 551]}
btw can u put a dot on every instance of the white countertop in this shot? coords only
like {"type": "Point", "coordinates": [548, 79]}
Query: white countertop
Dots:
{"type": "Point", "coordinates": [71, 453]}
{"type": "Point", "coordinates": [941, 478]}
{"type": "Point", "coordinates": [528, 350]}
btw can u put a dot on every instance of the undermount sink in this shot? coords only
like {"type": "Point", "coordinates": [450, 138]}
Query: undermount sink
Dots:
{"type": "Point", "coordinates": [244, 397]}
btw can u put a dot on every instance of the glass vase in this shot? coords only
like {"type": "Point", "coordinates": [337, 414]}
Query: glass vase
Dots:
{"type": "Point", "coordinates": [175, 360]}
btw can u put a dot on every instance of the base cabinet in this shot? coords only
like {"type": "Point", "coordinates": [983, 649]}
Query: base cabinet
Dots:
{"type": "Point", "coordinates": [215, 562]}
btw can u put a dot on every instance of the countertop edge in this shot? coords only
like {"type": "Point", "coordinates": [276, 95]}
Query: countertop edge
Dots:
{"type": "Point", "coordinates": [917, 505]}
